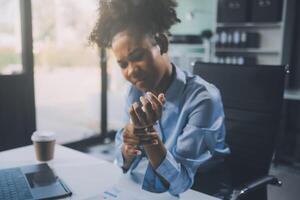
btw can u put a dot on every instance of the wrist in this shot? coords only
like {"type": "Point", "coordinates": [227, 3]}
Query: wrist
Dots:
{"type": "Point", "coordinates": [150, 129]}
{"type": "Point", "coordinates": [127, 159]}
{"type": "Point", "coordinates": [144, 129]}
{"type": "Point", "coordinates": [138, 131]}
{"type": "Point", "coordinates": [156, 153]}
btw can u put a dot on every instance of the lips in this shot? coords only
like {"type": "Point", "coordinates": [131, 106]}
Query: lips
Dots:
{"type": "Point", "coordinates": [136, 81]}
{"type": "Point", "coordinates": [139, 83]}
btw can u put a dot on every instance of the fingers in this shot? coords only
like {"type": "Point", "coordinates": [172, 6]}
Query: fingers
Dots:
{"type": "Point", "coordinates": [147, 107]}
{"type": "Point", "coordinates": [152, 138]}
{"type": "Point", "coordinates": [130, 150]}
{"type": "Point", "coordinates": [150, 111]}
{"type": "Point", "coordinates": [141, 115]}
{"type": "Point", "coordinates": [156, 103]}
{"type": "Point", "coordinates": [161, 98]}
{"type": "Point", "coordinates": [129, 137]}
{"type": "Point", "coordinates": [134, 118]}
{"type": "Point", "coordinates": [149, 138]}
{"type": "Point", "coordinates": [136, 137]}
{"type": "Point", "coordinates": [131, 141]}
{"type": "Point", "coordinates": [157, 100]}
{"type": "Point", "coordinates": [139, 131]}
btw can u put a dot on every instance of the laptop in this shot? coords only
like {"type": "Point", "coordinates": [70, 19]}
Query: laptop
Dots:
{"type": "Point", "coordinates": [31, 182]}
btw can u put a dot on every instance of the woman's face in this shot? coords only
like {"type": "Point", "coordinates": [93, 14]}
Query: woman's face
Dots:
{"type": "Point", "coordinates": [140, 61]}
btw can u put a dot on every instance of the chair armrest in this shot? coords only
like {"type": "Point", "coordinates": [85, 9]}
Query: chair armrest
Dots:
{"type": "Point", "coordinates": [259, 183]}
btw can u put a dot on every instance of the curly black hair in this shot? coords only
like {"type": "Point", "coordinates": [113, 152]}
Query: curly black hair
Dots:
{"type": "Point", "coordinates": [140, 17]}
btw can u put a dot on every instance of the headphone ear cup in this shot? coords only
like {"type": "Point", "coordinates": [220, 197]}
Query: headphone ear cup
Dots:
{"type": "Point", "coordinates": [162, 42]}
{"type": "Point", "coordinates": [158, 41]}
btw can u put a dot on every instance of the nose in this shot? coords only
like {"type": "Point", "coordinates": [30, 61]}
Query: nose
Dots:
{"type": "Point", "coordinates": [133, 70]}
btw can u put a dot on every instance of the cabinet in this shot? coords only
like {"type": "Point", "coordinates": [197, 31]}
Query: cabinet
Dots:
{"type": "Point", "coordinates": [265, 49]}
{"type": "Point", "coordinates": [271, 46]}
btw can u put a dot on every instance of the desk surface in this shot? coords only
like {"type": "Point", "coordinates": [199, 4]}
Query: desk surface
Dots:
{"type": "Point", "coordinates": [86, 176]}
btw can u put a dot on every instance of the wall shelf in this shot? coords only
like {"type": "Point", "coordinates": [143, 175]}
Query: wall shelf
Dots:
{"type": "Point", "coordinates": [247, 50]}
{"type": "Point", "coordinates": [272, 39]}
{"type": "Point", "coordinates": [250, 25]}
{"type": "Point", "coordinates": [186, 45]}
{"type": "Point", "coordinates": [188, 48]}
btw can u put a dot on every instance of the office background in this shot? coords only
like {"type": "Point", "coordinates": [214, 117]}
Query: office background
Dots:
{"type": "Point", "coordinates": [51, 79]}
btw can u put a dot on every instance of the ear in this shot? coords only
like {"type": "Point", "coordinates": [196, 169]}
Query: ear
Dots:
{"type": "Point", "coordinates": [163, 43]}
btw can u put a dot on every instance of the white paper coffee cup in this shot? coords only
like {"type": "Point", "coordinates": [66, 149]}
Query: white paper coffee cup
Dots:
{"type": "Point", "coordinates": [44, 143]}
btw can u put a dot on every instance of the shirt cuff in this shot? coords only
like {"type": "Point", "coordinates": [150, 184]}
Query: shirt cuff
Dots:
{"type": "Point", "coordinates": [169, 168]}
{"type": "Point", "coordinates": [119, 160]}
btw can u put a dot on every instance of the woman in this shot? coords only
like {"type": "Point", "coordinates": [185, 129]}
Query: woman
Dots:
{"type": "Point", "coordinates": [175, 121]}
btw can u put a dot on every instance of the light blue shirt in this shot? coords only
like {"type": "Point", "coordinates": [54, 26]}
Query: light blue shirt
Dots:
{"type": "Point", "coordinates": [192, 129]}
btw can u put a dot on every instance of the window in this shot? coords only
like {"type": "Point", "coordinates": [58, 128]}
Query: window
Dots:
{"type": "Point", "coordinates": [10, 38]}
{"type": "Point", "coordinates": [67, 72]}
{"type": "Point", "coordinates": [117, 89]}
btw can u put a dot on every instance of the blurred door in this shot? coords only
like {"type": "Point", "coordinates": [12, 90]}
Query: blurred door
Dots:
{"type": "Point", "coordinates": [17, 110]}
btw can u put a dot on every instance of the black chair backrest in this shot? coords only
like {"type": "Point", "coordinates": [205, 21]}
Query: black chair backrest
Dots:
{"type": "Point", "coordinates": [252, 98]}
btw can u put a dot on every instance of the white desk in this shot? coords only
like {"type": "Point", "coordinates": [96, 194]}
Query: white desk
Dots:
{"type": "Point", "coordinates": [86, 176]}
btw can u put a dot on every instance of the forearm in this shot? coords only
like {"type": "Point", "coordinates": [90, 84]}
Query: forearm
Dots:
{"type": "Point", "coordinates": [176, 177]}
{"type": "Point", "coordinates": [155, 153]}
{"type": "Point", "coordinates": [128, 159]}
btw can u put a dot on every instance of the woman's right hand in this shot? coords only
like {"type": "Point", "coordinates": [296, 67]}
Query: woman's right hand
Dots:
{"type": "Point", "coordinates": [133, 137]}
{"type": "Point", "coordinates": [130, 142]}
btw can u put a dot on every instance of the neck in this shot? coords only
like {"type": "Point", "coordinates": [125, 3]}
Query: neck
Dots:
{"type": "Point", "coordinates": [166, 80]}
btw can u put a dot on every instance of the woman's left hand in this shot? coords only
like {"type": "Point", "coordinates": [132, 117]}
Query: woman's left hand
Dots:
{"type": "Point", "coordinates": [150, 111]}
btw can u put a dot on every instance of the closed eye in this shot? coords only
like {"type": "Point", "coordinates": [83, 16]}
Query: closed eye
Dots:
{"type": "Point", "coordinates": [135, 56]}
{"type": "Point", "coordinates": [123, 65]}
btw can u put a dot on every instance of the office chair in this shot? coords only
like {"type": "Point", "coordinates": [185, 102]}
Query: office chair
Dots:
{"type": "Point", "coordinates": [252, 98]}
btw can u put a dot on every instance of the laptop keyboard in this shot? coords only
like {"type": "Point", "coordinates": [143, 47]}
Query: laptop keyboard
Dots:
{"type": "Point", "coordinates": [13, 185]}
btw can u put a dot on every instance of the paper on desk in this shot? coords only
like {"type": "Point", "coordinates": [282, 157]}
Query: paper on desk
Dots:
{"type": "Point", "coordinates": [115, 193]}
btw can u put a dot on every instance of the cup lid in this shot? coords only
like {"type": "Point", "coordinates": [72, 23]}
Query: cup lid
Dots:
{"type": "Point", "coordinates": [43, 136]}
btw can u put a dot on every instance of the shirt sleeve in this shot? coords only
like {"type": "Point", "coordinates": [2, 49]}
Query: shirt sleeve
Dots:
{"type": "Point", "coordinates": [201, 140]}
{"type": "Point", "coordinates": [119, 160]}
